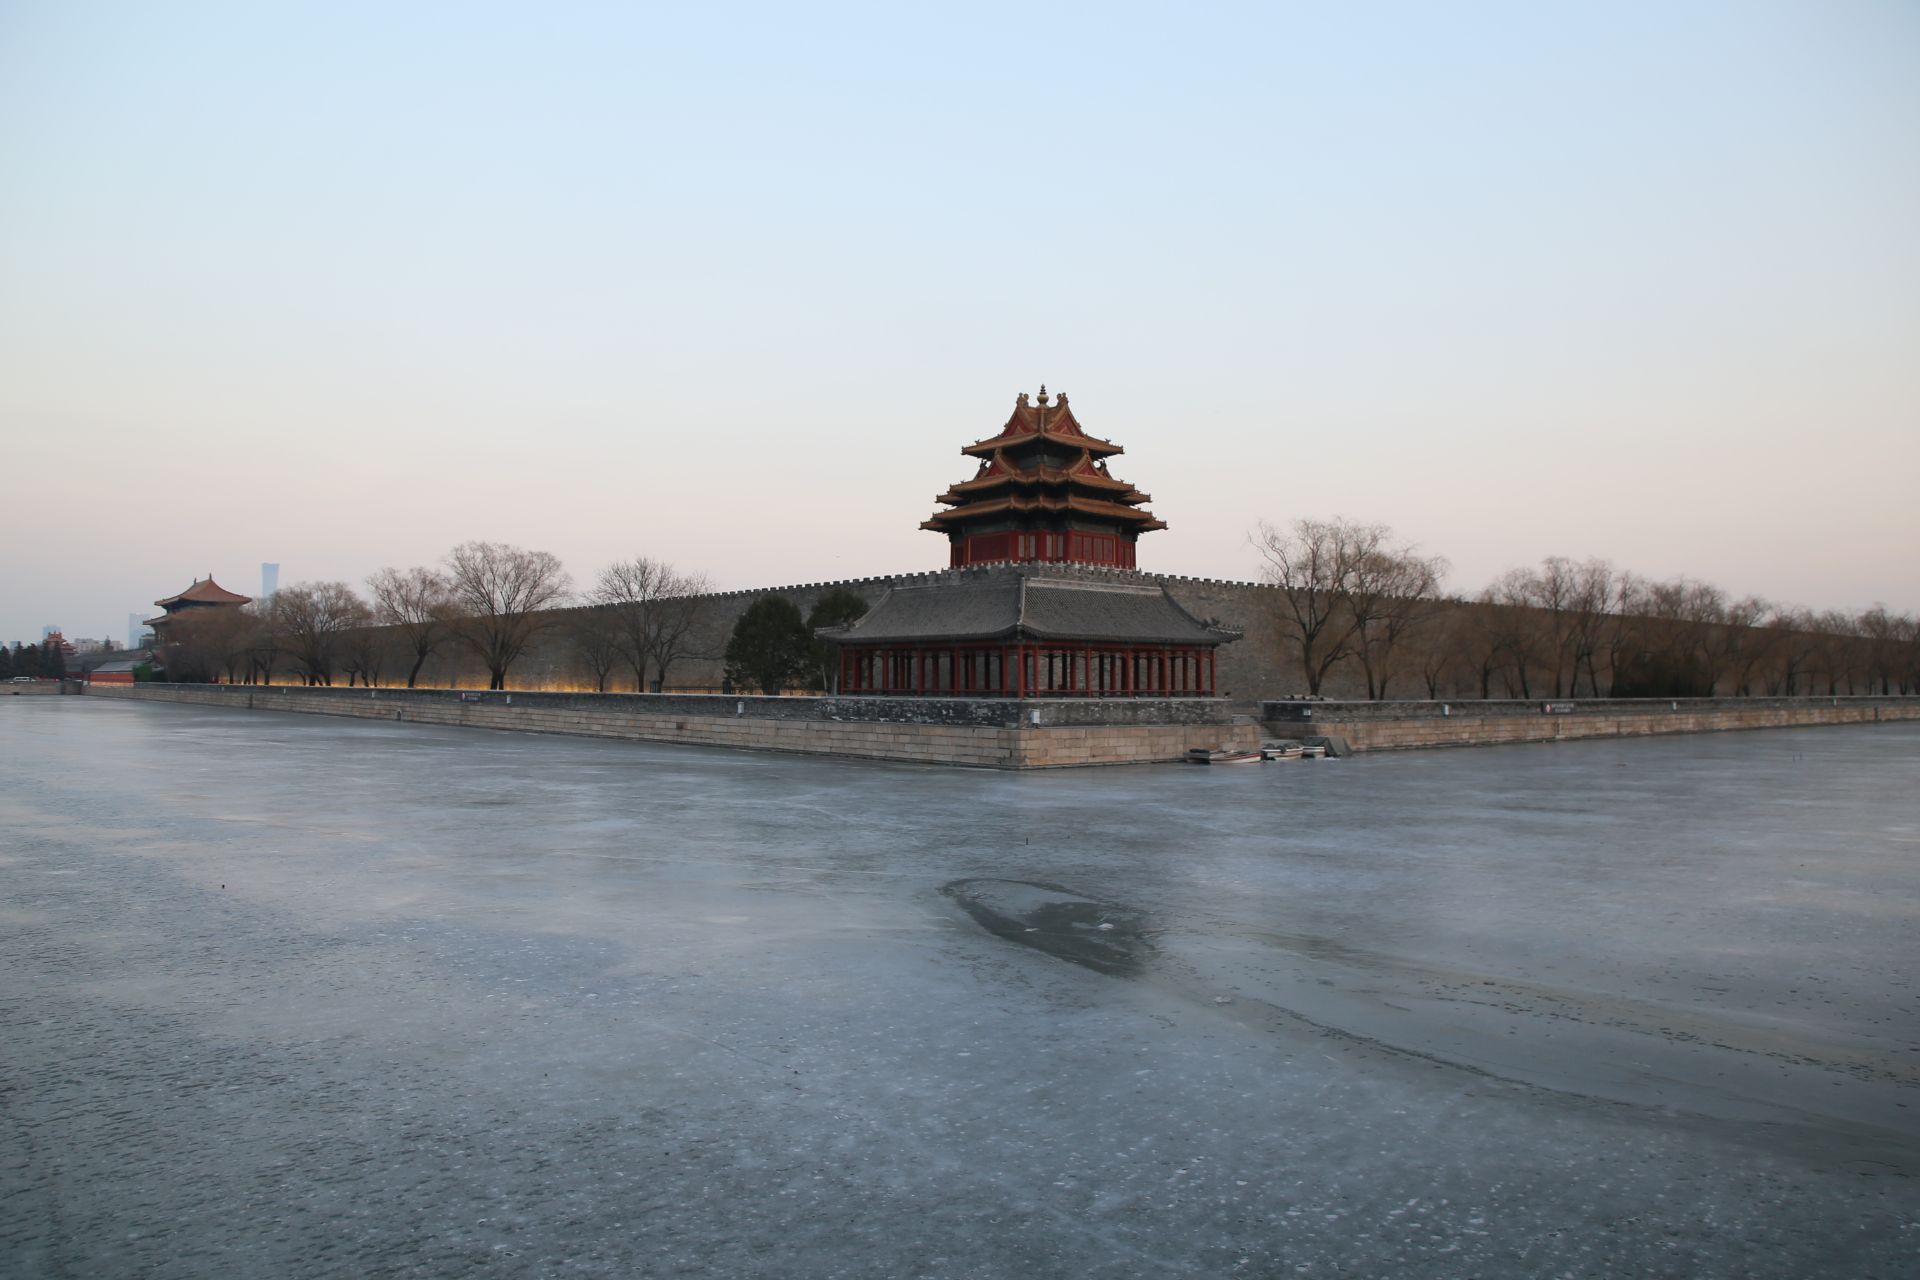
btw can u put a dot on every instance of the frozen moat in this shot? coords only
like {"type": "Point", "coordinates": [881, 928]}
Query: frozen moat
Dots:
{"type": "Point", "coordinates": [288, 996]}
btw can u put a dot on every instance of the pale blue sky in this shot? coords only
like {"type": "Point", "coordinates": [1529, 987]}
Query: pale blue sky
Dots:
{"type": "Point", "coordinates": [341, 286]}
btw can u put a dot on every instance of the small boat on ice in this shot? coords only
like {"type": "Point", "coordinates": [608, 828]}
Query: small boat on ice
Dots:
{"type": "Point", "coordinates": [1203, 755]}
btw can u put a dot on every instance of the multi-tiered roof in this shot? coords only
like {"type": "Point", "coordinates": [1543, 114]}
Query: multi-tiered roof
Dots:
{"type": "Point", "coordinates": [1043, 492]}
{"type": "Point", "coordinates": [205, 593]}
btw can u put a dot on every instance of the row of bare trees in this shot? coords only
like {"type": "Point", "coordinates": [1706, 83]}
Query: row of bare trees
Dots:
{"type": "Point", "coordinates": [1349, 592]}
{"type": "Point", "coordinates": [490, 599]}
{"type": "Point", "coordinates": [1351, 598]}
{"type": "Point", "coordinates": [1569, 628]}
{"type": "Point", "coordinates": [644, 617]}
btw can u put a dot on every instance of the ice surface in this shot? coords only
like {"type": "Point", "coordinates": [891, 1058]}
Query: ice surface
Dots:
{"type": "Point", "coordinates": [290, 996]}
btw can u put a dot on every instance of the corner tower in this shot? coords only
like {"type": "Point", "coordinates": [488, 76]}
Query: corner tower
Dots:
{"type": "Point", "coordinates": [1042, 599]}
{"type": "Point", "coordinates": [1042, 492]}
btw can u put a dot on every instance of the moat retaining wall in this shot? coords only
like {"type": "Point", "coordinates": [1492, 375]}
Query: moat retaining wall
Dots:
{"type": "Point", "coordinates": [1384, 726]}
{"type": "Point", "coordinates": [983, 732]}
{"type": "Point", "coordinates": [1004, 734]}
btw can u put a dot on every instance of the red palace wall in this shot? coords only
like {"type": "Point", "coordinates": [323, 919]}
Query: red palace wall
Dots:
{"type": "Point", "coordinates": [1071, 546]}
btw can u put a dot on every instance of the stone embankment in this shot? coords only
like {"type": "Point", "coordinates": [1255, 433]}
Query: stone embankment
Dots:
{"type": "Point", "coordinates": [31, 688]}
{"type": "Point", "coordinates": [1383, 726]}
{"type": "Point", "coordinates": [1015, 734]}
{"type": "Point", "coordinates": [982, 732]}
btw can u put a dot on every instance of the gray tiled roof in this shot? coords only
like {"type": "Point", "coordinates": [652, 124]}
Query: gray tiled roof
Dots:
{"type": "Point", "coordinates": [1027, 604]}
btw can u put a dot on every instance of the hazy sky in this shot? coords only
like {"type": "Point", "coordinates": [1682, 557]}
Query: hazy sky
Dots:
{"type": "Point", "coordinates": [340, 286]}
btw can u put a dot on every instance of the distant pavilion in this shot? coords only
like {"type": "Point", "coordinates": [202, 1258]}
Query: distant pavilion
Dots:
{"type": "Point", "coordinates": [204, 594]}
{"type": "Point", "coordinates": [1043, 599]}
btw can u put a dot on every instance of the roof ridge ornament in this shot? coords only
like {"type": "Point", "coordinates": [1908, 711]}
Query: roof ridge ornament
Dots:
{"type": "Point", "coordinates": [1043, 395]}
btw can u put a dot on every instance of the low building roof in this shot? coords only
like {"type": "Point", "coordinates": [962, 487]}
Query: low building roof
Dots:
{"type": "Point", "coordinates": [1023, 603]}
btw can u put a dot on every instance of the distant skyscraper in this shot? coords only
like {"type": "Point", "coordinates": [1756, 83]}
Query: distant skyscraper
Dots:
{"type": "Point", "coordinates": [133, 631]}
{"type": "Point", "coordinates": [269, 580]}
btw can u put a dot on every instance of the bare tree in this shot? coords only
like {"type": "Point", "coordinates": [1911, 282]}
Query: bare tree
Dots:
{"type": "Point", "coordinates": [1625, 635]}
{"type": "Point", "coordinates": [1836, 654]}
{"type": "Point", "coordinates": [503, 595]}
{"type": "Point", "coordinates": [418, 604]}
{"type": "Point", "coordinates": [1544, 599]}
{"type": "Point", "coordinates": [1391, 592]}
{"type": "Point", "coordinates": [626, 591]}
{"type": "Point", "coordinates": [595, 636]}
{"type": "Point", "coordinates": [654, 608]}
{"type": "Point", "coordinates": [1909, 653]}
{"type": "Point", "coordinates": [1882, 633]}
{"type": "Point", "coordinates": [1309, 567]}
{"type": "Point", "coordinates": [1793, 645]}
{"type": "Point", "coordinates": [1442, 646]}
{"type": "Point", "coordinates": [1591, 612]}
{"type": "Point", "coordinates": [312, 619]}
{"type": "Point", "coordinates": [204, 643]}
{"type": "Point", "coordinates": [1519, 641]}
{"type": "Point", "coordinates": [364, 652]}
{"type": "Point", "coordinates": [265, 648]}
{"type": "Point", "coordinates": [682, 606]}
{"type": "Point", "coordinates": [1677, 653]}
{"type": "Point", "coordinates": [1744, 642]}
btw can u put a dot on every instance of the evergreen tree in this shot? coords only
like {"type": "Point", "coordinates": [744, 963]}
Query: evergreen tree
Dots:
{"type": "Point", "coordinates": [26, 660]}
{"type": "Point", "coordinates": [838, 608]}
{"type": "Point", "coordinates": [770, 646]}
{"type": "Point", "coordinates": [6, 663]}
{"type": "Point", "coordinates": [53, 661]}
